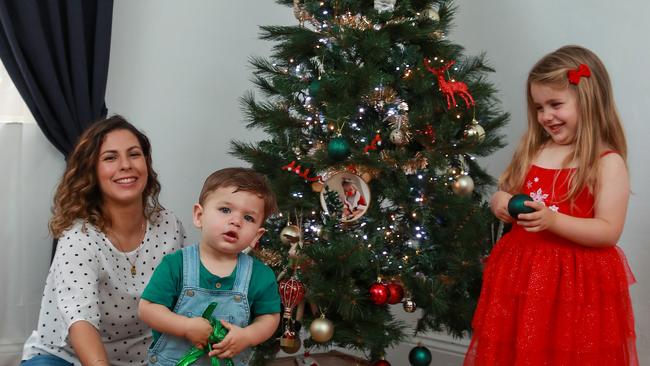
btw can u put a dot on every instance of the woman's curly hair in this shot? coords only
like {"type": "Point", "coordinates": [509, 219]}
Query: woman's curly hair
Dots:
{"type": "Point", "coordinates": [78, 195]}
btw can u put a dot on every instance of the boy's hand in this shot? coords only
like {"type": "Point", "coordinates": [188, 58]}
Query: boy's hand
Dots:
{"type": "Point", "coordinates": [197, 331]}
{"type": "Point", "coordinates": [236, 341]}
{"type": "Point", "coordinates": [540, 220]}
{"type": "Point", "coordinates": [499, 206]}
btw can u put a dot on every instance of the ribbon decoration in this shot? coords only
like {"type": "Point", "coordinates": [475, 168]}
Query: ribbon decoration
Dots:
{"type": "Point", "coordinates": [218, 334]}
{"type": "Point", "coordinates": [291, 167]}
{"type": "Point", "coordinates": [373, 144]}
{"type": "Point", "coordinates": [574, 75]}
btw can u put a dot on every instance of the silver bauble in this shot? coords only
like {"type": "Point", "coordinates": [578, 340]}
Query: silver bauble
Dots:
{"type": "Point", "coordinates": [474, 133]}
{"type": "Point", "coordinates": [463, 185]}
{"type": "Point", "coordinates": [409, 305]}
{"type": "Point", "coordinates": [398, 137]}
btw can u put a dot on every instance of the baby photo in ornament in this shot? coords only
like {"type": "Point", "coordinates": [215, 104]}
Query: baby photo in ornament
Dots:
{"type": "Point", "coordinates": [353, 192]}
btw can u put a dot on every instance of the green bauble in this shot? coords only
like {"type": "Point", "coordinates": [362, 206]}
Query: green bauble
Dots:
{"type": "Point", "coordinates": [516, 205]}
{"type": "Point", "coordinates": [338, 148]}
{"type": "Point", "coordinates": [314, 87]}
{"type": "Point", "coordinates": [420, 356]}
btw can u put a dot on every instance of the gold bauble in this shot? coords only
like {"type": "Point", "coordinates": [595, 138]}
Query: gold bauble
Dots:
{"type": "Point", "coordinates": [474, 133]}
{"type": "Point", "coordinates": [321, 329]}
{"type": "Point", "coordinates": [409, 305]}
{"type": "Point", "coordinates": [290, 234]}
{"type": "Point", "coordinates": [463, 185]}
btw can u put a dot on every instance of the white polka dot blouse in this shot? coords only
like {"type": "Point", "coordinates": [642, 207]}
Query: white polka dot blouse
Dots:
{"type": "Point", "coordinates": [91, 280]}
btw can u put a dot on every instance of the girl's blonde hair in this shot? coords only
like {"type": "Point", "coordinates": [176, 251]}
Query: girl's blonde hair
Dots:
{"type": "Point", "coordinates": [598, 120]}
{"type": "Point", "coordinates": [78, 195]}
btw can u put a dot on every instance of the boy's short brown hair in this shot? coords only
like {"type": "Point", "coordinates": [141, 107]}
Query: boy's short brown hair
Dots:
{"type": "Point", "coordinates": [243, 179]}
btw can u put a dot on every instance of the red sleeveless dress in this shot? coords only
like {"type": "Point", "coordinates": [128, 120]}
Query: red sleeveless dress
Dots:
{"type": "Point", "coordinates": [548, 301]}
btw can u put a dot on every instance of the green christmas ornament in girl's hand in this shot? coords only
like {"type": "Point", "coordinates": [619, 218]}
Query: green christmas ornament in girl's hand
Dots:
{"type": "Point", "coordinates": [516, 205]}
{"type": "Point", "coordinates": [338, 148]}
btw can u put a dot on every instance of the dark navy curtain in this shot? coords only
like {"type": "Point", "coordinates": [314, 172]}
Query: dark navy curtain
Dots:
{"type": "Point", "coordinates": [56, 52]}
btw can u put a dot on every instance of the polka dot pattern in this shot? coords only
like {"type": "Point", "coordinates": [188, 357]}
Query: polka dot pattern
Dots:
{"type": "Point", "coordinates": [90, 280]}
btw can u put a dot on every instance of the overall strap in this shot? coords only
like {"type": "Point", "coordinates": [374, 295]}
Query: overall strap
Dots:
{"type": "Point", "coordinates": [191, 266]}
{"type": "Point", "coordinates": [243, 275]}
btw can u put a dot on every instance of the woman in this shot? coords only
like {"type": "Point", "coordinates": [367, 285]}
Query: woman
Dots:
{"type": "Point", "coordinates": [112, 233]}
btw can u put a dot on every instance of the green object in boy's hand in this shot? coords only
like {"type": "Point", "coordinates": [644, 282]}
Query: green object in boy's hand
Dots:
{"type": "Point", "coordinates": [218, 334]}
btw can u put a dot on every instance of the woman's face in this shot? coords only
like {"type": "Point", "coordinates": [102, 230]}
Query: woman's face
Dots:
{"type": "Point", "coordinates": [122, 168]}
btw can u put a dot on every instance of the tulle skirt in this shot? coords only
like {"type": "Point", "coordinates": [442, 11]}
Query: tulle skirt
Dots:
{"type": "Point", "coordinates": [548, 301]}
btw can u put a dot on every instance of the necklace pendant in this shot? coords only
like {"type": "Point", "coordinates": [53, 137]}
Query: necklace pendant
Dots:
{"type": "Point", "coordinates": [133, 271]}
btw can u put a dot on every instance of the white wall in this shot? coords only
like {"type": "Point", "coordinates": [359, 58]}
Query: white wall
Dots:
{"type": "Point", "coordinates": [177, 71]}
{"type": "Point", "coordinates": [178, 68]}
{"type": "Point", "coordinates": [517, 33]}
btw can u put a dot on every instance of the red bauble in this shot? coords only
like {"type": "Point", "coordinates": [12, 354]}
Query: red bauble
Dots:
{"type": "Point", "coordinates": [292, 292]}
{"type": "Point", "coordinates": [395, 293]}
{"type": "Point", "coordinates": [381, 363]}
{"type": "Point", "coordinates": [379, 293]}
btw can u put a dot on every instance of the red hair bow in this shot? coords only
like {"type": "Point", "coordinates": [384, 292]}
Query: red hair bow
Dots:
{"type": "Point", "coordinates": [575, 74]}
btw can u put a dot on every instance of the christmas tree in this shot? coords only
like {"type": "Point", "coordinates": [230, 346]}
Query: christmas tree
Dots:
{"type": "Point", "coordinates": [374, 121]}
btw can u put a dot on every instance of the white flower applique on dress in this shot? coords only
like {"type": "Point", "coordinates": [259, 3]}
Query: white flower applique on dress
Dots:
{"type": "Point", "coordinates": [539, 196]}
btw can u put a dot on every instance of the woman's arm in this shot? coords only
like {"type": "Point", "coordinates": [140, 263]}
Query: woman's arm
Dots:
{"type": "Point", "coordinates": [87, 344]}
{"type": "Point", "coordinates": [610, 208]}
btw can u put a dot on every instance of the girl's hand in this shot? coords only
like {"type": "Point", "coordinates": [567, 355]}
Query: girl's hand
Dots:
{"type": "Point", "coordinates": [540, 220]}
{"type": "Point", "coordinates": [197, 331]}
{"type": "Point", "coordinates": [499, 206]}
{"type": "Point", "coordinates": [235, 341]}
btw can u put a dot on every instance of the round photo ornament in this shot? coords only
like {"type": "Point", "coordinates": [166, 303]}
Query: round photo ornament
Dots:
{"type": "Point", "coordinates": [352, 191]}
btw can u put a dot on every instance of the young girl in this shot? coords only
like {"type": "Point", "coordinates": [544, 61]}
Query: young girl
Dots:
{"type": "Point", "coordinates": [555, 288]}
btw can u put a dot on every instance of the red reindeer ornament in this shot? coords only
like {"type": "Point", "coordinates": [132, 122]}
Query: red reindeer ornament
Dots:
{"type": "Point", "coordinates": [449, 88]}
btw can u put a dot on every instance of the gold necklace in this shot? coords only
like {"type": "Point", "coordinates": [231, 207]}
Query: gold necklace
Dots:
{"type": "Point", "coordinates": [119, 247]}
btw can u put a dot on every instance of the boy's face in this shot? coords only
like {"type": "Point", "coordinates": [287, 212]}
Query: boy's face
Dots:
{"type": "Point", "coordinates": [229, 221]}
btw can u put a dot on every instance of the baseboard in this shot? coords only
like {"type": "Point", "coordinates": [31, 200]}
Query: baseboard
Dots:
{"type": "Point", "coordinates": [10, 353]}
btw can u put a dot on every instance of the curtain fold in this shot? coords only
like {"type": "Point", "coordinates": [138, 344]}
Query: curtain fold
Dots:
{"type": "Point", "coordinates": [57, 54]}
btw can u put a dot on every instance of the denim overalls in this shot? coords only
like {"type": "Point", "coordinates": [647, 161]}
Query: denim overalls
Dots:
{"type": "Point", "coordinates": [232, 307]}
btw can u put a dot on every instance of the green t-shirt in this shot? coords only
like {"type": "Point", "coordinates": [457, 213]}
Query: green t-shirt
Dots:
{"type": "Point", "coordinates": [166, 283]}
